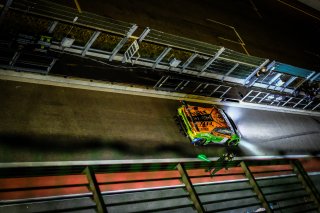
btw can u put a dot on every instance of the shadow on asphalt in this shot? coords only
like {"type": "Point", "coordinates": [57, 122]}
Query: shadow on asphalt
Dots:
{"type": "Point", "coordinates": [62, 144]}
{"type": "Point", "coordinates": [52, 146]}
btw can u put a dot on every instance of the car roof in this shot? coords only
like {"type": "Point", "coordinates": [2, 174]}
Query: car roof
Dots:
{"type": "Point", "coordinates": [206, 118]}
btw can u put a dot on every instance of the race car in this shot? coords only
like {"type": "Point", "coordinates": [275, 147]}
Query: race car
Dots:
{"type": "Point", "coordinates": [205, 125]}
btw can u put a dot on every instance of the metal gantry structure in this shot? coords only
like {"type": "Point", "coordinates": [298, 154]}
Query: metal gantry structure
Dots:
{"type": "Point", "coordinates": [89, 35]}
{"type": "Point", "coordinates": [173, 186]}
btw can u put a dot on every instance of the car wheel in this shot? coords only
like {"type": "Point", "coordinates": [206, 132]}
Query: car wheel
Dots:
{"type": "Point", "coordinates": [198, 141]}
{"type": "Point", "coordinates": [233, 143]}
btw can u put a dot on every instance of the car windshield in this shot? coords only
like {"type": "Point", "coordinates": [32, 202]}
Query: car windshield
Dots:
{"type": "Point", "coordinates": [225, 131]}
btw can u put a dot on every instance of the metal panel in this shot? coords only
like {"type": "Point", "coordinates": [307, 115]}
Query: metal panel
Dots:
{"type": "Point", "coordinates": [292, 70]}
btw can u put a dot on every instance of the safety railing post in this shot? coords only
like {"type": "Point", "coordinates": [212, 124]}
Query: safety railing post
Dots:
{"type": "Point", "coordinates": [307, 105]}
{"type": "Point", "coordinates": [90, 42]}
{"type": "Point", "coordinates": [192, 192]}
{"type": "Point", "coordinates": [316, 106]}
{"type": "Point", "coordinates": [14, 58]}
{"type": "Point", "coordinates": [255, 186]}
{"type": "Point", "coordinates": [255, 96]}
{"type": "Point", "coordinates": [200, 84]}
{"type": "Point", "coordinates": [215, 90]}
{"type": "Point", "coordinates": [230, 71]}
{"type": "Point", "coordinates": [51, 65]}
{"type": "Point", "coordinates": [246, 95]}
{"type": "Point", "coordinates": [158, 82]}
{"type": "Point", "coordinates": [287, 101]}
{"type": "Point", "coordinates": [298, 102]}
{"type": "Point", "coordinates": [227, 90]}
{"type": "Point", "coordinates": [94, 188]}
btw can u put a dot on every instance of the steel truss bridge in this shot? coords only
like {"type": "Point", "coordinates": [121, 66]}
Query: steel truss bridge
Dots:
{"type": "Point", "coordinates": [214, 70]}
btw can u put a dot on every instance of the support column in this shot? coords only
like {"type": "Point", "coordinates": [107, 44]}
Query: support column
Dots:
{"type": "Point", "coordinates": [255, 186]}
{"type": "Point", "coordinates": [122, 42]}
{"type": "Point", "coordinates": [255, 71]}
{"type": "Point", "coordinates": [210, 61]}
{"type": "Point", "coordinates": [189, 61]}
{"type": "Point", "coordinates": [94, 187]}
{"type": "Point", "coordinates": [90, 42]}
{"type": "Point", "coordinates": [161, 56]}
{"type": "Point", "coordinates": [230, 71]}
{"type": "Point", "coordinates": [193, 194]}
{"type": "Point", "coordinates": [52, 26]}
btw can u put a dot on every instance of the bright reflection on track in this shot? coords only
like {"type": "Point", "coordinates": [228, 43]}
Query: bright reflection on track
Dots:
{"type": "Point", "coordinates": [249, 148]}
{"type": "Point", "coordinates": [234, 113]}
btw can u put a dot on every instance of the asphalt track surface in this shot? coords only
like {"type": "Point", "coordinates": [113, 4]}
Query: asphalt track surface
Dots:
{"type": "Point", "coordinates": [48, 123]}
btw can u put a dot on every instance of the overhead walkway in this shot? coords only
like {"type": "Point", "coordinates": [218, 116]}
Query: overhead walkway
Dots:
{"type": "Point", "coordinates": [184, 65]}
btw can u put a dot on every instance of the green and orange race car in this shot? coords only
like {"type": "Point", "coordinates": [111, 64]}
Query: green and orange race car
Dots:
{"type": "Point", "coordinates": [205, 125]}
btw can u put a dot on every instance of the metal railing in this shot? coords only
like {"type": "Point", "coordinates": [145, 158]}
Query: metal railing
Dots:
{"type": "Point", "coordinates": [277, 185]}
{"type": "Point", "coordinates": [281, 100]}
{"type": "Point", "coordinates": [188, 86]}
